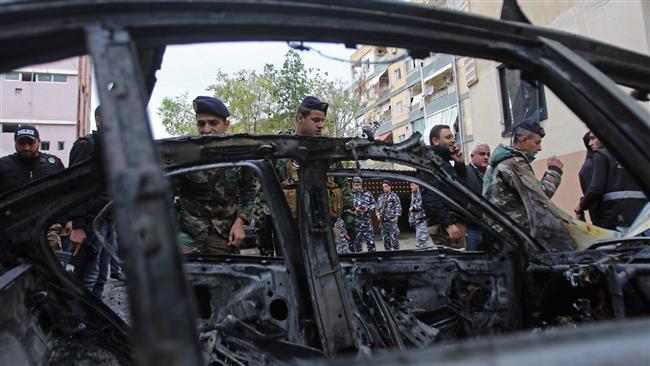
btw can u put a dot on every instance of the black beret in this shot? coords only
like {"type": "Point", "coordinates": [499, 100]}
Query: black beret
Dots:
{"type": "Point", "coordinates": [532, 126]}
{"type": "Point", "coordinates": [314, 103]}
{"type": "Point", "coordinates": [210, 105]}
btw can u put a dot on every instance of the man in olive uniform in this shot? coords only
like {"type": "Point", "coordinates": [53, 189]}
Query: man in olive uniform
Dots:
{"type": "Point", "coordinates": [510, 184]}
{"type": "Point", "coordinates": [214, 205]}
{"type": "Point", "coordinates": [388, 210]}
{"type": "Point", "coordinates": [310, 121]}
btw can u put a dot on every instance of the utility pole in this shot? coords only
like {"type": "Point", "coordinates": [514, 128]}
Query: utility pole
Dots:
{"type": "Point", "coordinates": [424, 102]}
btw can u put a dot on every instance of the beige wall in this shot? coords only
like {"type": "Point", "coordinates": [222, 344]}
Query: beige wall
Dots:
{"type": "Point", "coordinates": [393, 83]}
{"type": "Point", "coordinates": [404, 130]}
{"type": "Point", "coordinates": [395, 115]}
{"type": "Point", "coordinates": [569, 193]}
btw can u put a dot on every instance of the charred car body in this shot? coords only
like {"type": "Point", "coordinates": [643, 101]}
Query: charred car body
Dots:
{"type": "Point", "coordinates": [309, 302]}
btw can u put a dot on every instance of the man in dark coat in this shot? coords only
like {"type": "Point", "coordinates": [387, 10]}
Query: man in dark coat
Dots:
{"type": "Point", "coordinates": [445, 226]}
{"type": "Point", "coordinates": [479, 158]}
{"type": "Point", "coordinates": [27, 163]}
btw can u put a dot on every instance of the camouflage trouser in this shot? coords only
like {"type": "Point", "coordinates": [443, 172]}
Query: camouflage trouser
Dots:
{"type": "Point", "coordinates": [421, 234]}
{"type": "Point", "coordinates": [363, 231]}
{"type": "Point", "coordinates": [342, 244]}
{"type": "Point", "coordinates": [439, 236]}
{"type": "Point", "coordinates": [213, 243]}
{"type": "Point", "coordinates": [390, 233]}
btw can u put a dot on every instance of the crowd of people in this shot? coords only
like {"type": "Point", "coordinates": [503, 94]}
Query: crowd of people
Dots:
{"type": "Point", "coordinates": [214, 206]}
{"type": "Point", "coordinates": [506, 178]}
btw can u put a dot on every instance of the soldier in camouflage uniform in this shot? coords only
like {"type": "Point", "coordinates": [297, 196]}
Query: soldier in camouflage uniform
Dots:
{"type": "Point", "coordinates": [510, 184]}
{"type": "Point", "coordinates": [364, 203]}
{"type": "Point", "coordinates": [388, 210]}
{"type": "Point", "coordinates": [310, 121]}
{"type": "Point", "coordinates": [214, 205]}
{"type": "Point", "coordinates": [417, 217]}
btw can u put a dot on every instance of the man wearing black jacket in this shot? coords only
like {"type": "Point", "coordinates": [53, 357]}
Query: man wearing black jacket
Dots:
{"type": "Point", "coordinates": [90, 260]}
{"type": "Point", "coordinates": [27, 163]}
{"type": "Point", "coordinates": [479, 158]}
{"type": "Point", "coordinates": [445, 226]}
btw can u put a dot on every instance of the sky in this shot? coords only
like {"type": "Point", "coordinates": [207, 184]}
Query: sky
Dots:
{"type": "Point", "coordinates": [191, 68]}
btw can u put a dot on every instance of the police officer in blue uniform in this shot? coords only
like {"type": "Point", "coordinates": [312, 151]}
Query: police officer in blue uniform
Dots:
{"type": "Point", "coordinates": [364, 204]}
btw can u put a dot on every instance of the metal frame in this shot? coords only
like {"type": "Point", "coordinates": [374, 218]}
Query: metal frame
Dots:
{"type": "Point", "coordinates": [111, 30]}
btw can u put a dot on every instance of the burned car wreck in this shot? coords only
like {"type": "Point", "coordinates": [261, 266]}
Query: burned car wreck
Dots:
{"type": "Point", "coordinates": [309, 302]}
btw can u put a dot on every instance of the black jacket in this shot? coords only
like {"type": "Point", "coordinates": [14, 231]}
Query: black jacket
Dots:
{"type": "Point", "coordinates": [16, 171]}
{"type": "Point", "coordinates": [475, 181]}
{"type": "Point", "coordinates": [87, 147]}
{"type": "Point", "coordinates": [435, 207]}
{"type": "Point", "coordinates": [608, 180]}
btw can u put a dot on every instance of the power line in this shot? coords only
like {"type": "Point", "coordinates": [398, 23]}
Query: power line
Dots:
{"type": "Point", "coordinates": [300, 46]}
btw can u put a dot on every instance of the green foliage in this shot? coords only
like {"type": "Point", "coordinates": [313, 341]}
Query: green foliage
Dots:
{"type": "Point", "coordinates": [266, 102]}
{"type": "Point", "coordinates": [177, 115]}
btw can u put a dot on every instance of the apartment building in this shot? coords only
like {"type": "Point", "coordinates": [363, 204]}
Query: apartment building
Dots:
{"type": "Point", "coordinates": [55, 97]}
{"type": "Point", "coordinates": [402, 95]}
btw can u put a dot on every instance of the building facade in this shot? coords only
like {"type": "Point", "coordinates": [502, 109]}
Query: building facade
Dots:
{"type": "Point", "coordinates": [54, 97]}
{"type": "Point", "coordinates": [405, 96]}
{"type": "Point", "coordinates": [482, 99]}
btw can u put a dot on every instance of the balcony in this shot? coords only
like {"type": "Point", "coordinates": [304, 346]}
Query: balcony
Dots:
{"type": "Point", "coordinates": [441, 62]}
{"type": "Point", "coordinates": [439, 101]}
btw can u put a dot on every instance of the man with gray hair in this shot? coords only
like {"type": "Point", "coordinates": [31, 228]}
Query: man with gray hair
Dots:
{"type": "Point", "coordinates": [510, 184]}
{"type": "Point", "coordinates": [476, 168]}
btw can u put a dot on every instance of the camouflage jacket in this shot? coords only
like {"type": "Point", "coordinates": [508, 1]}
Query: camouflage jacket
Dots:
{"type": "Point", "coordinates": [290, 179]}
{"type": "Point", "coordinates": [510, 184]}
{"type": "Point", "coordinates": [214, 199]}
{"type": "Point", "coordinates": [508, 163]}
{"type": "Point", "coordinates": [388, 207]}
{"type": "Point", "coordinates": [363, 199]}
{"type": "Point", "coordinates": [416, 210]}
{"type": "Point", "coordinates": [288, 173]}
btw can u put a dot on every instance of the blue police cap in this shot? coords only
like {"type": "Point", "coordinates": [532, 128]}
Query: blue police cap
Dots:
{"type": "Point", "coordinates": [210, 105]}
{"type": "Point", "coordinates": [26, 131]}
{"type": "Point", "coordinates": [311, 102]}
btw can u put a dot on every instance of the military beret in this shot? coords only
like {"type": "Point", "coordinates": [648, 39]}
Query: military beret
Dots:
{"type": "Point", "coordinates": [210, 105]}
{"type": "Point", "coordinates": [529, 125]}
{"type": "Point", "coordinates": [357, 180]}
{"type": "Point", "coordinates": [314, 103]}
{"type": "Point", "coordinates": [26, 131]}
{"type": "Point", "coordinates": [386, 181]}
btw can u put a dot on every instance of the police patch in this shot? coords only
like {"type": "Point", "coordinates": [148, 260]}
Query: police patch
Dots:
{"type": "Point", "coordinates": [51, 160]}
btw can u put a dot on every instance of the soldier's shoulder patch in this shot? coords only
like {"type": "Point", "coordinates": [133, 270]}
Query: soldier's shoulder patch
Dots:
{"type": "Point", "coordinates": [51, 160]}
